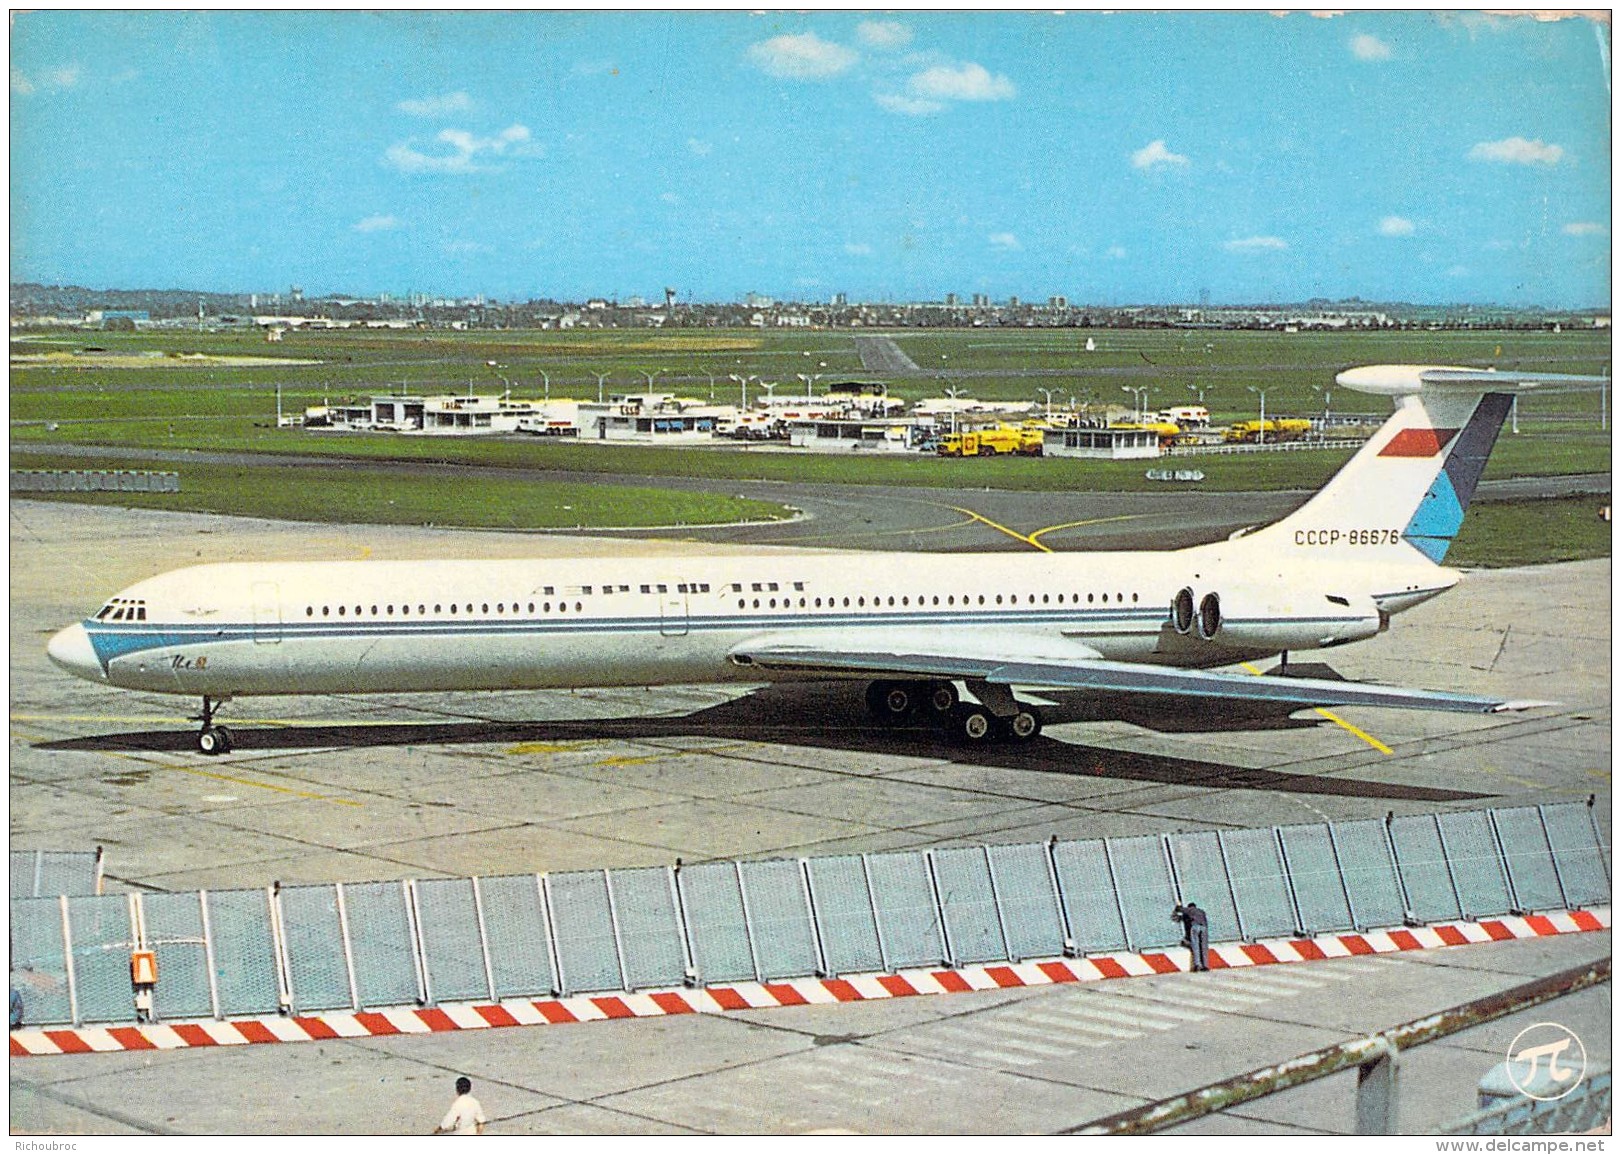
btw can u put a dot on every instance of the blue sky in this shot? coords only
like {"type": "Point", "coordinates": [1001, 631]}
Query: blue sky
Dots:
{"type": "Point", "coordinates": [1111, 158]}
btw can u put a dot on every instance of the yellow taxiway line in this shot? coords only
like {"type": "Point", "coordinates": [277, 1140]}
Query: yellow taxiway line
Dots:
{"type": "Point", "coordinates": [1337, 720]}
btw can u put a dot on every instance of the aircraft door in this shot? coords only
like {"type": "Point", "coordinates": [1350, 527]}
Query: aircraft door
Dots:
{"type": "Point", "coordinates": [673, 610]}
{"type": "Point", "coordinates": [266, 613]}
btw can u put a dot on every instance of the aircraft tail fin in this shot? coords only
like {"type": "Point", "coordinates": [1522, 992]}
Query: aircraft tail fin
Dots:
{"type": "Point", "coordinates": [1407, 489]}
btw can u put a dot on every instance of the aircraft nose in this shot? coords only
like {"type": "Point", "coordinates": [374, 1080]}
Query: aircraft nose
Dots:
{"type": "Point", "coordinates": [71, 649]}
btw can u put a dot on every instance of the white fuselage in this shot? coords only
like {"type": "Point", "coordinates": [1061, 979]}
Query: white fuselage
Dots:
{"type": "Point", "coordinates": [364, 627]}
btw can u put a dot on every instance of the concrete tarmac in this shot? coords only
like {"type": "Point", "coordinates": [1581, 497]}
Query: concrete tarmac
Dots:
{"type": "Point", "coordinates": [332, 788]}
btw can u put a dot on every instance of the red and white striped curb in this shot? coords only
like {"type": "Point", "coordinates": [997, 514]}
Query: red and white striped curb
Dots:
{"type": "Point", "coordinates": [792, 992]}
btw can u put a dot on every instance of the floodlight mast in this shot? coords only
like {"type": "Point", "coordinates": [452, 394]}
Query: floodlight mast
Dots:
{"type": "Point", "coordinates": [1261, 434]}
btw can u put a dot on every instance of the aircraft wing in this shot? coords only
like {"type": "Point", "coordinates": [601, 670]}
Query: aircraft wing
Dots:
{"type": "Point", "coordinates": [1040, 663]}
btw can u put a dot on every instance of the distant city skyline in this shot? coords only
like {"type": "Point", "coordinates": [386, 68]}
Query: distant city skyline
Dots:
{"type": "Point", "coordinates": [1113, 159]}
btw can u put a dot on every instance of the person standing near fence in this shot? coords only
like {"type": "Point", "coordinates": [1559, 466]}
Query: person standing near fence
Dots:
{"type": "Point", "coordinates": [466, 1114]}
{"type": "Point", "coordinates": [1197, 928]}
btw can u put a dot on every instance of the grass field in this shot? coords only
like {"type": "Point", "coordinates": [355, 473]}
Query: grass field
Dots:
{"type": "Point", "coordinates": [1510, 533]}
{"type": "Point", "coordinates": [163, 390]}
{"type": "Point", "coordinates": [405, 496]}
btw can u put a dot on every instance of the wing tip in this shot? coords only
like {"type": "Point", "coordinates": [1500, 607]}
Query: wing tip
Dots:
{"type": "Point", "coordinates": [1517, 705]}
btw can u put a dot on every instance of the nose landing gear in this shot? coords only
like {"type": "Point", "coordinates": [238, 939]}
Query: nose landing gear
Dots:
{"type": "Point", "coordinates": [211, 739]}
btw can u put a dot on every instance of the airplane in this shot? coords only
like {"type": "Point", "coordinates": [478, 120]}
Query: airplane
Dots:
{"type": "Point", "coordinates": [957, 638]}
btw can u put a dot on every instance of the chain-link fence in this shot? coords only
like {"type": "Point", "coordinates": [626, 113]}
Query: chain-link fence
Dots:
{"type": "Point", "coordinates": [361, 946]}
{"type": "Point", "coordinates": [93, 481]}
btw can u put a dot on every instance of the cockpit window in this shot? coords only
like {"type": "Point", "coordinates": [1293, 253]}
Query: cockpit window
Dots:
{"type": "Point", "coordinates": [122, 610]}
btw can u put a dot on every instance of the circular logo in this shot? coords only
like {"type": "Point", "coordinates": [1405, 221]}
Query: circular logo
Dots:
{"type": "Point", "coordinates": [1546, 1061]}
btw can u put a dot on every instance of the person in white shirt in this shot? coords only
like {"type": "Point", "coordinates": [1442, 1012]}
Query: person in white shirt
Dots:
{"type": "Point", "coordinates": [466, 1115]}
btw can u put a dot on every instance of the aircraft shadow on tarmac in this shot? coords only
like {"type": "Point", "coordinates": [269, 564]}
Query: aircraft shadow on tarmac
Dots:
{"type": "Point", "coordinates": [788, 715]}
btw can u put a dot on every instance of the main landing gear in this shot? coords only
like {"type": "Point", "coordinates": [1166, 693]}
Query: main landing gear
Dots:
{"type": "Point", "coordinates": [212, 739]}
{"type": "Point", "coordinates": [997, 716]}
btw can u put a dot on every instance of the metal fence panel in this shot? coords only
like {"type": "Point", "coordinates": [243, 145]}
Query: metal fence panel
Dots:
{"type": "Point", "coordinates": [39, 969]}
{"type": "Point", "coordinates": [1423, 868]}
{"type": "Point", "coordinates": [908, 919]}
{"type": "Point", "coordinates": [318, 972]}
{"type": "Point", "coordinates": [102, 941]}
{"type": "Point", "coordinates": [1147, 893]}
{"type": "Point", "coordinates": [1309, 855]}
{"type": "Point", "coordinates": [244, 952]}
{"type": "Point", "coordinates": [1528, 858]}
{"type": "Point", "coordinates": [451, 952]}
{"type": "Point", "coordinates": [716, 922]}
{"type": "Point", "coordinates": [1089, 896]}
{"type": "Point", "coordinates": [780, 917]}
{"type": "Point", "coordinates": [1369, 872]}
{"type": "Point", "coordinates": [1477, 867]}
{"type": "Point", "coordinates": [1024, 889]}
{"type": "Point", "coordinates": [515, 930]}
{"type": "Point", "coordinates": [1260, 888]}
{"type": "Point", "coordinates": [1577, 854]}
{"type": "Point", "coordinates": [46, 873]}
{"type": "Point", "coordinates": [174, 931]}
{"type": "Point", "coordinates": [844, 917]}
{"type": "Point", "coordinates": [381, 944]}
{"type": "Point", "coordinates": [968, 905]}
{"type": "Point", "coordinates": [649, 927]}
{"type": "Point", "coordinates": [583, 924]}
{"type": "Point", "coordinates": [1203, 878]}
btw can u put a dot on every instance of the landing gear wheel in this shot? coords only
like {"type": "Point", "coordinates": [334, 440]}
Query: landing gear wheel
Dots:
{"type": "Point", "coordinates": [1024, 725]}
{"type": "Point", "coordinates": [214, 740]}
{"type": "Point", "coordinates": [942, 699]}
{"type": "Point", "coordinates": [892, 701]}
{"type": "Point", "coordinates": [972, 725]}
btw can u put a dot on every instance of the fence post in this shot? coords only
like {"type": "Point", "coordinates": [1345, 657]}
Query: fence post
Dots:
{"type": "Point", "coordinates": [208, 954]}
{"type": "Point", "coordinates": [1071, 948]}
{"type": "Point", "coordinates": [1339, 873]}
{"type": "Point", "coordinates": [348, 953]}
{"type": "Point", "coordinates": [613, 925]}
{"type": "Point", "coordinates": [996, 905]}
{"type": "Point", "coordinates": [544, 887]}
{"type": "Point", "coordinates": [483, 938]}
{"type": "Point", "coordinates": [419, 949]}
{"type": "Point", "coordinates": [67, 960]}
{"type": "Point", "coordinates": [748, 921]}
{"type": "Point", "coordinates": [689, 969]}
{"type": "Point", "coordinates": [1232, 891]}
{"type": "Point", "coordinates": [877, 923]}
{"type": "Point", "coordinates": [278, 936]}
{"type": "Point", "coordinates": [1514, 904]}
{"type": "Point", "coordinates": [1289, 879]}
{"type": "Point", "coordinates": [1395, 861]}
{"type": "Point", "coordinates": [1376, 1099]}
{"type": "Point", "coordinates": [815, 918]}
{"type": "Point", "coordinates": [946, 947]}
{"type": "Point", "coordinates": [1114, 889]}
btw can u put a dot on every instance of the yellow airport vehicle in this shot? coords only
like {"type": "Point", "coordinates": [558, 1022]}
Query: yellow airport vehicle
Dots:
{"type": "Point", "coordinates": [1279, 429]}
{"type": "Point", "coordinates": [993, 442]}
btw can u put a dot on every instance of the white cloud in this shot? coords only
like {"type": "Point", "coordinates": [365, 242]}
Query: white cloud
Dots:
{"type": "Point", "coordinates": [1005, 241]}
{"type": "Point", "coordinates": [670, 198]}
{"type": "Point", "coordinates": [1584, 229]}
{"type": "Point", "coordinates": [1517, 150]}
{"type": "Point", "coordinates": [1365, 47]}
{"type": "Point", "coordinates": [446, 105]}
{"type": "Point", "coordinates": [377, 224]}
{"type": "Point", "coordinates": [1116, 253]}
{"type": "Point", "coordinates": [883, 34]}
{"type": "Point", "coordinates": [906, 105]}
{"type": "Point", "coordinates": [465, 147]}
{"type": "Point", "coordinates": [804, 56]}
{"type": "Point", "coordinates": [699, 147]}
{"type": "Point", "coordinates": [50, 80]}
{"type": "Point", "coordinates": [967, 82]}
{"type": "Point", "coordinates": [465, 248]}
{"type": "Point", "coordinates": [857, 249]}
{"type": "Point", "coordinates": [1396, 227]}
{"type": "Point", "coordinates": [1156, 155]}
{"type": "Point", "coordinates": [1256, 245]}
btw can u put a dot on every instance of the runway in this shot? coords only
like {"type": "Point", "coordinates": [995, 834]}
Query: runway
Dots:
{"type": "Point", "coordinates": [324, 789]}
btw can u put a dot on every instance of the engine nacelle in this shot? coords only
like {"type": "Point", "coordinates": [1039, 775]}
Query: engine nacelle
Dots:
{"type": "Point", "coordinates": [1256, 619]}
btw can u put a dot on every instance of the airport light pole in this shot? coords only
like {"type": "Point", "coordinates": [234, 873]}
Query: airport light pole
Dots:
{"type": "Point", "coordinates": [743, 389]}
{"type": "Point", "coordinates": [547, 381]}
{"type": "Point", "coordinates": [496, 369]}
{"type": "Point", "coordinates": [1262, 394]}
{"type": "Point", "coordinates": [1048, 393]}
{"type": "Point", "coordinates": [601, 377]}
{"type": "Point", "coordinates": [1327, 397]}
